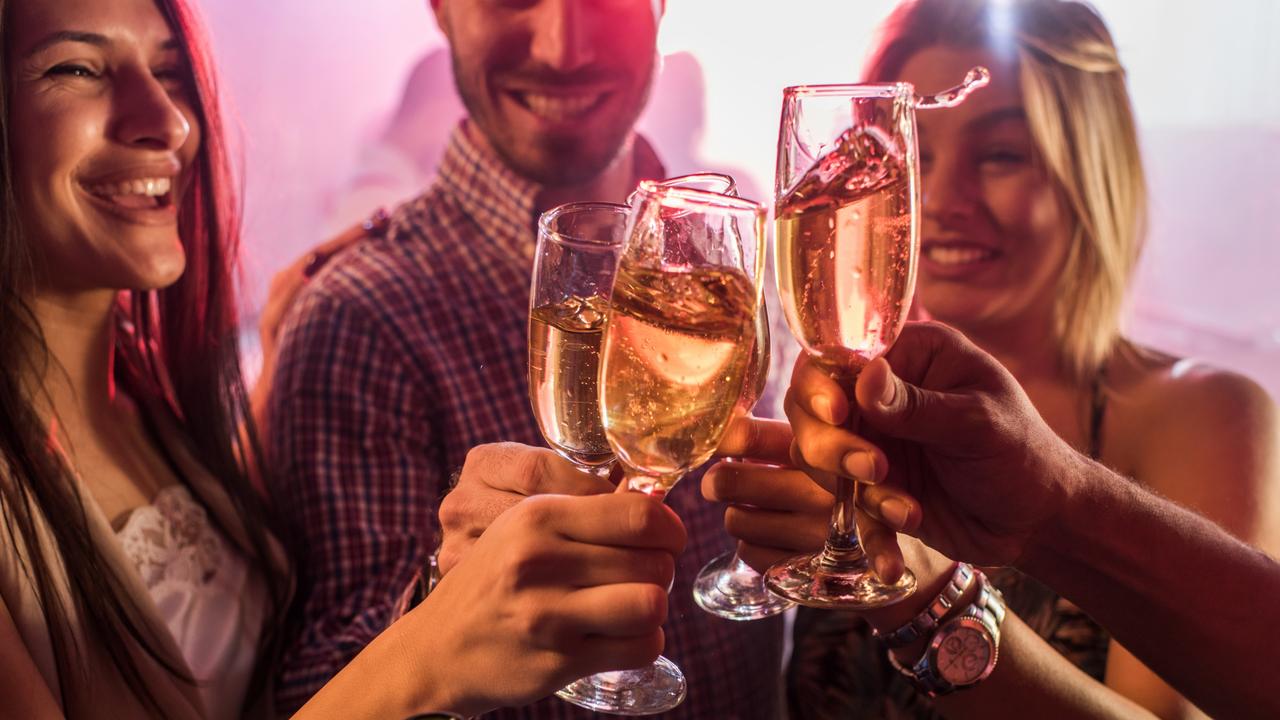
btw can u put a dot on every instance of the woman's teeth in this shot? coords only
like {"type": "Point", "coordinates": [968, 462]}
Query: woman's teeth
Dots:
{"type": "Point", "coordinates": [957, 256]}
{"type": "Point", "coordinates": [149, 187]}
{"type": "Point", "coordinates": [559, 107]}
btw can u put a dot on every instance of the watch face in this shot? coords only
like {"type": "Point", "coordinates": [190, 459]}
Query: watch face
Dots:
{"type": "Point", "coordinates": [964, 655]}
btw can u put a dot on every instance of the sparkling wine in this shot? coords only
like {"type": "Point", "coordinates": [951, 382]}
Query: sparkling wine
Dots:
{"type": "Point", "coordinates": [845, 250]}
{"type": "Point", "coordinates": [675, 354]}
{"type": "Point", "coordinates": [564, 361]}
{"type": "Point", "coordinates": [758, 369]}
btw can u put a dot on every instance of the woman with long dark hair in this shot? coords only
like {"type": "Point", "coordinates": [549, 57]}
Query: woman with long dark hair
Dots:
{"type": "Point", "coordinates": [141, 573]}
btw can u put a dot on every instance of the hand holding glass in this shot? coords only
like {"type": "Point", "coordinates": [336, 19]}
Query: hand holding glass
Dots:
{"type": "Point", "coordinates": [848, 196]}
{"type": "Point", "coordinates": [674, 357]}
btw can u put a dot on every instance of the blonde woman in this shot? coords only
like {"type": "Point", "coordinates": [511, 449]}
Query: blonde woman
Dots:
{"type": "Point", "coordinates": [1034, 201]}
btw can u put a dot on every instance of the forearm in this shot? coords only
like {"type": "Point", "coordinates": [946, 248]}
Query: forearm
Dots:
{"type": "Point", "coordinates": [393, 677]}
{"type": "Point", "coordinates": [1032, 674]}
{"type": "Point", "coordinates": [1029, 672]}
{"type": "Point", "coordinates": [1193, 603]}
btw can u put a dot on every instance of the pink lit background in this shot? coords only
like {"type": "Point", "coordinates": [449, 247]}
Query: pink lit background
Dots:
{"type": "Point", "coordinates": [315, 81]}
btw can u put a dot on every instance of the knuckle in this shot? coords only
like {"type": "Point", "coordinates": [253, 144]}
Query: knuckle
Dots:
{"type": "Point", "coordinates": [535, 514]}
{"type": "Point", "coordinates": [717, 485]}
{"type": "Point", "coordinates": [645, 516]}
{"type": "Point", "coordinates": [637, 652]}
{"type": "Point", "coordinates": [529, 564]}
{"type": "Point", "coordinates": [450, 512]}
{"type": "Point", "coordinates": [738, 522]}
{"type": "Point", "coordinates": [459, 512]}
{"type": "Point", "coordinates": [658, 567]}
{"type": "Point", "coordinates": [819, 453]}
{"type": "Point", "coordinates": [475, 458]}
{"type": "Point", "coordinates": [528, 468]}
{"type": "Point", "coordinates": [908, 399]}
{"type": "Point", "coordinates": [449, 556]}
{"type": "Point", "coordinates": [980, 410]}
{"type": "Point", "coordinates": [651, 605]}
{"type": "Point", "coordinates": [538, 625]}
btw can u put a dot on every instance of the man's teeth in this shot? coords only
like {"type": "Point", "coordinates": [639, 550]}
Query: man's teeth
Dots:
{"type": "Point", "coordinates": [150, 187]}
{"type": "Point", "coordinates": [559, 107]}
{"type": "Point", "coordinates": [957, 256]}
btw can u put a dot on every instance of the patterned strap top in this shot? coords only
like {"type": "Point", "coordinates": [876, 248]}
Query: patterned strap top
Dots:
{"type": "Point", "coordinates": [839, 670]}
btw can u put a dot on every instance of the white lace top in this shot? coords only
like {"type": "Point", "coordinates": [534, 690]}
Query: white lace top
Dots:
{"type": "Point", "coordinates": [202, 587]}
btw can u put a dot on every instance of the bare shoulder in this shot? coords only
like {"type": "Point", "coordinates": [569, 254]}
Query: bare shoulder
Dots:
{"type": "Point", "coordinates": [1203, 436]}
{"type": "Point", "coordinates": [1171, 395]}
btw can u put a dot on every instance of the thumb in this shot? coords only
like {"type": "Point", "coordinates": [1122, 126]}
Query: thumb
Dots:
{"type": "Point", "coordinates": [898, 408]}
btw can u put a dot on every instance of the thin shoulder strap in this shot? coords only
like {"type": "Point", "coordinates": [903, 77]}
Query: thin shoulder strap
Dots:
{"type": "Point", "coordinates": [1097, 412]}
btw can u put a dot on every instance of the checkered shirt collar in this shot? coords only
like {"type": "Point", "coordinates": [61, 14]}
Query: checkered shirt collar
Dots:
{"type": "Point", "coordinates": [495, 196]}
{"type": "Point", "coordinates": [501, 200]}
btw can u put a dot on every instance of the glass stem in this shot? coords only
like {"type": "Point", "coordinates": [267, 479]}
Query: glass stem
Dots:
{"type": "Point", "coordinates": [603, 470]}
{"type": "Point", "coordinates": [843, 547]}
{"type": "Point", "coordinates": [655, 485]}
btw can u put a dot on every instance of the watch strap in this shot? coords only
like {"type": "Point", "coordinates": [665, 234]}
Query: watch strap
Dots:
{"type": "Point", "coordinates": [928, 619]}
{"type": "Point", "coordinates": [987, 608]}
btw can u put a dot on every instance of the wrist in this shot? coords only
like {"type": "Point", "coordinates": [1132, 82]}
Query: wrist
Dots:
{"type": "Point", "coordinates": [1080, 489]}
{"type": "Point", "coordinates": [445, 663]}
{"type": "Point", "coordinates": [933, 571]}
{"type": "Point", "coordinates": [964, 648]}
{"type": "Point", "coordinates": [417, 682]}
{"type": "Point", "coordinates": [910, 653]}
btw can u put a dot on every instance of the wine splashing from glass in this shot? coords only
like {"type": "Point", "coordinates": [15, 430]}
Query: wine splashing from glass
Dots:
{"type": "Point", "coordinates": [848, 199]}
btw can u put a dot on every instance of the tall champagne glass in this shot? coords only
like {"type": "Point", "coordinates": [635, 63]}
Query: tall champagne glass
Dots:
{"type": "Point", "coordinates": [726, 586]}
{"type": "Point", "coordinates": [847, 213]}
{"type": "Point", "coordinates": [674, 358]}
{"type": "Point", "coordinates": [576, 256]}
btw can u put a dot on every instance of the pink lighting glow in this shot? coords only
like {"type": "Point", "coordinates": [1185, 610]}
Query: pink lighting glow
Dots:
{"type": "Point", "coordinates": [316, 81]}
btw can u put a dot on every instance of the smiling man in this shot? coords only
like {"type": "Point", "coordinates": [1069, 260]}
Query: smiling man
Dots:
{"type": "Point", "coordinates": [410, 350]}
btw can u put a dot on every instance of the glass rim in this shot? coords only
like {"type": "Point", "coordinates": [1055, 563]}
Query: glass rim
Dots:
{"type": "Point", "coordinates": [691, 199]}
{"type": "Point", "coordinates": [868, 90]}
{"type": "Point", "coordinates": [701, 175]}
{"type": "Point", "coordinates": [549, 217]}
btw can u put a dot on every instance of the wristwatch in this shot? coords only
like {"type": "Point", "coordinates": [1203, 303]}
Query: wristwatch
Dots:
{"type": "Point", "coordinates": [423, 583]}
{"type": "Point", "coordinates": [964, 650]}
{"type": "Point", "coordinates": [928, 619]}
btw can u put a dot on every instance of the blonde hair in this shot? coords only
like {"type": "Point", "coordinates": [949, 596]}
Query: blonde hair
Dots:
{"type": "Point", "coordinates": [1078, 109]}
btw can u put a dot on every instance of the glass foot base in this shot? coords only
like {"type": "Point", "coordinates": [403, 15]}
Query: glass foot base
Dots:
{"type": "Point", "coordinates": [814, 581]}
{"type": "Point", "coordinates": [647, 691]}
{"type": "Point", "coordinates": [731, 589]}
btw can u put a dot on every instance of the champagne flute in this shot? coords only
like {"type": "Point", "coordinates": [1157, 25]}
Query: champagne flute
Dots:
{"type": "Point", "coordinates": [673, 362]}
{"type": "Point", "coordinates": [726, 586]}
{"type": "Point", "coordinates": [576, 256]}
{"type": "Point", "coordinates": [847, 214]}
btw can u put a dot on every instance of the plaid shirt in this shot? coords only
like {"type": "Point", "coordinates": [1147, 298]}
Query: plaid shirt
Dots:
{"type": "Point", "coordinates": [399, 357]}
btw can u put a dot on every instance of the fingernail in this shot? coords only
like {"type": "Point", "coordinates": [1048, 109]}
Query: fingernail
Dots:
{"type": "Point", "coordinates": [861, 465]}
{"type": "Point", "coordinates": [822, 409]}
{"type": "Point", "coordinates": [889, 392]}
{"type": "Point", "coordinates": [895, 512]}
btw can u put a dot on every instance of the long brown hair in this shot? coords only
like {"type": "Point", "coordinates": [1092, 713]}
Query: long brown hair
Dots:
{"type": "Point", "coordinates": [186, 337]}
{"type": "Point", "coordinates": [1081, 118]}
